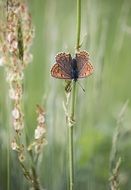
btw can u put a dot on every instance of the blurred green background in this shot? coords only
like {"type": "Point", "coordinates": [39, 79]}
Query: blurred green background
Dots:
{"type": "Point", "coordinates": [106, 35]}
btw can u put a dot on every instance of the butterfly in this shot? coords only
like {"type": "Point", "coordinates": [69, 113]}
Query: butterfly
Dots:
{"type": "Point", "coordinates": [70, 68]}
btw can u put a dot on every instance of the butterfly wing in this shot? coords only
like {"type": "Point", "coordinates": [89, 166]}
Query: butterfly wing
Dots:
{"type": "Point", "coordinates": [64, 60]}
{"type": "Point", "coordinates": [85, 68]}
{"type": "Point", "coordinates": [58, 72]}
{"type": "Point", "coordinates": [82, 58]}
{"type": "Point", "coordinates": [62, 68]}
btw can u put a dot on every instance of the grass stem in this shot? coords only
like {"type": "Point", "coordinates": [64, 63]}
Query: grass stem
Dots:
{"type": "Point", "coordinates": [70, 130]}
{"type": "Point", "coordinates": [72, 112]}
{"type": "Point", "coordinates": [8, 165]}
{"type": "Point", "coordinates": [78, 24]}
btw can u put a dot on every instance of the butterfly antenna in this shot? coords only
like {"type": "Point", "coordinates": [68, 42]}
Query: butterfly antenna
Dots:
{"type": "Point", "coordinates": [81, 86]}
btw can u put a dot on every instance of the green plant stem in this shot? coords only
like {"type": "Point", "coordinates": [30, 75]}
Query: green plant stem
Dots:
{"type": "Point", "coordinates": [33, 179]}
{"type": "Point", "coordinates": [70, 130]}
{"type": "Point", "coordinates": [73, 101]}
{"type": "Point", "coordinates": [71, 160]}
{"type": "Point", "coordinates": [72, 113]}
{"type": "Point", "coordinates": [26, 172]}
{"type": "Point", "coordinates": [8, 164]}
{"type": "Point", "coordinates": [78, 24]}
{"type": "Point", "coordinates": [36, 183]}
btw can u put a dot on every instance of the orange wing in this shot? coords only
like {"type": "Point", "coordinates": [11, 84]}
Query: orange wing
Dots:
{"type": "Point", "coordinates": [82, 58]}
{"type": "Point", "coordinates": [58, 72]}
{"type": "Point", "coordinates": [64, 61]}
{"type": "Point", "coordinates": [87, 70]}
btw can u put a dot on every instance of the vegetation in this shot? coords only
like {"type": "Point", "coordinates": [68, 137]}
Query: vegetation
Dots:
{"type": "Point", "coordinates": [102, 113]}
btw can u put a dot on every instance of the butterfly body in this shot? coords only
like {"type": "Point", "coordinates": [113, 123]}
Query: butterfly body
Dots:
{"type": "Point", "coordinates": [70, 68]}
{"type": "Point", "coordinates": [74, 70]}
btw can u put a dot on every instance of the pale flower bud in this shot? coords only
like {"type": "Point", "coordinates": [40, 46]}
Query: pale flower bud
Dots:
{"type": "Point", "coordinates": [10, 37]}
{"type": "Point", "coordinates": [39, 145]}
{"type": "Point", "coordinates": [17, 125]}
{"type": "Point", "coordinates": [14, 45]}
{"type": "Point", "coordinates": [39, 131]}
{"type": "Point", "coordinates": [41, 118]}
{"type": "Point", "coordinates": [1, 61]}
{"type": "Point", "coordinates": [10, 76]}
{"type": "Point", "coordinates": [27, 58]}
{"type": "Point", "coordinates": [14, 145]}
{"type": "Point", "coordinates": [13, 94]}
{"type": "Point", "coordinates": [15, 113]}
